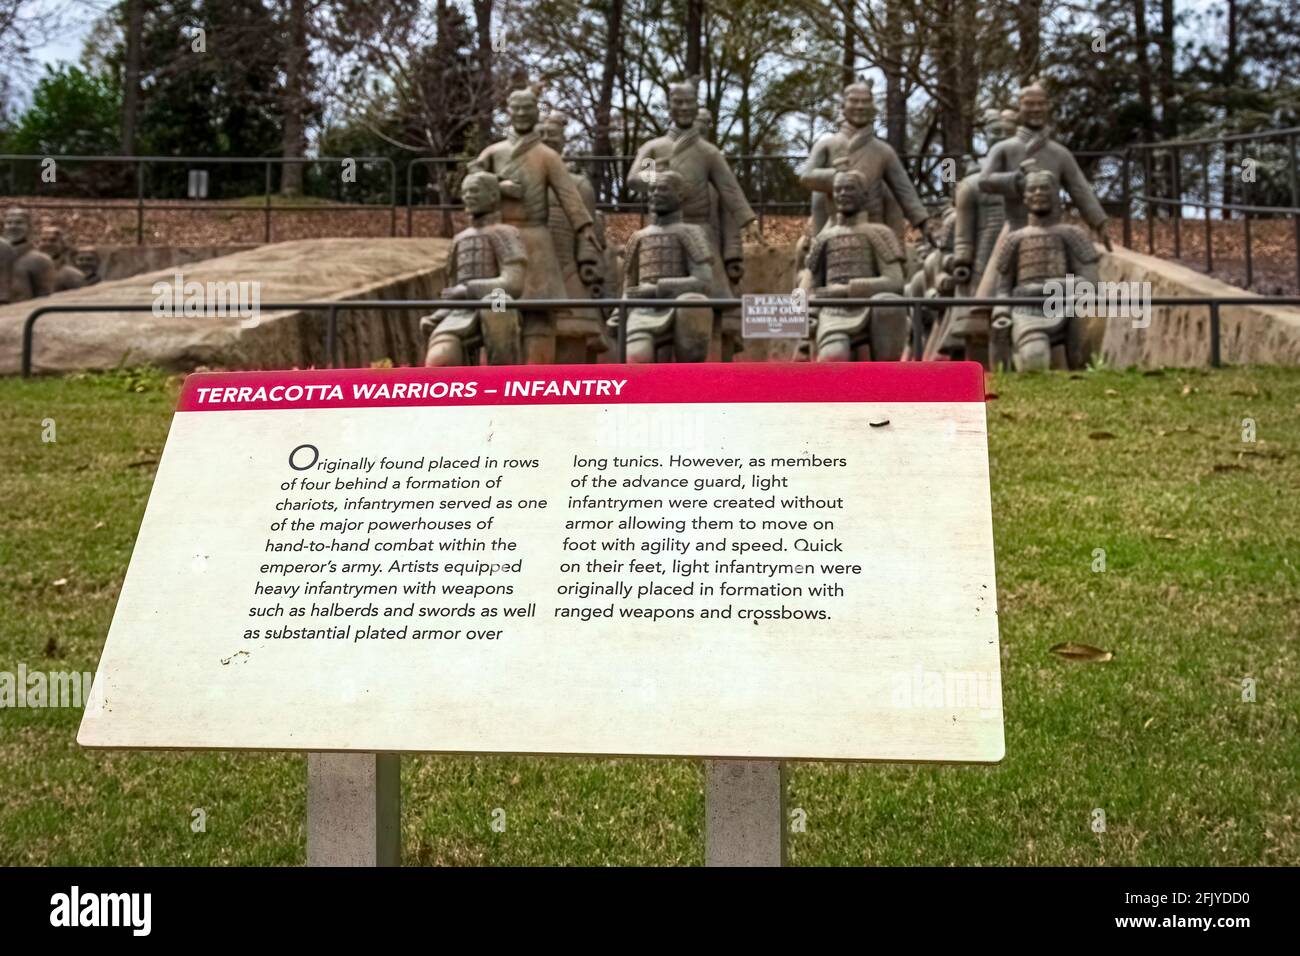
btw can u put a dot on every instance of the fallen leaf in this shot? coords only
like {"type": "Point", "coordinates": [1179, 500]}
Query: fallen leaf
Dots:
{"type": "Point", "coordinates": [1081, 652]}
{"type": "Point", "coordinates": [1100, 436]}
{"type": "Point", "coordinates": [1231, 466]}
{"type": "Point", "coordinates": [989, 396]}
{"type": "Point", "coordinates": [60, 582]}
{"type": "Point", "coordinates": [1166, 537]}
{"type": "Point", "coordinates": [880, 424]}
{"type": "Point", "coordinates": [1111, 392]}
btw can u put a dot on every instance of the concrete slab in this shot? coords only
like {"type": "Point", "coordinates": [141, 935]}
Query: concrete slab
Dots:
{"type": "Point", "coordinates": [311, 269]}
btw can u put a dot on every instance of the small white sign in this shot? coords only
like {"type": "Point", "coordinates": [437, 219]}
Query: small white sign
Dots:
{"type": "Point", "coordinates": [774, 316]}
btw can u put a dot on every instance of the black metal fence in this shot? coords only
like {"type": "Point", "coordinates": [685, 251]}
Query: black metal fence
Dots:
{"type": "Point", "coordinates": [230, 185]}
{"type": "Point", "coordinates": [609, 307]}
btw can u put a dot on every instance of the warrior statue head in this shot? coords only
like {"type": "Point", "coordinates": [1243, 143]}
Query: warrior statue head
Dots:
{"type": "Point", "coordinates": [684, 102]}
{"type": "Point", "coordinates": [17, 225]}
{"type": "Point", "coordinates": [999, 125]}
{"type": "Point", "coordinates": [703, 121]}
{"type": "Point", "coordinates": [553, 128]}
{"type": "Point", "coordinates": [666, 192]}
{"type": "Point", "coordinates": [1042, 191]}
{"type": "Point", "coordinates": [522, 104]}
{"type": "Point", "coordinates": [859, 105]}
{"type": "Point", "coordinates": [1035, 106]}
{"type": "Point", "coordinates": [848, 189]}
{"type": "Point", "coordinates": [52, 243]}
{"type": "Point", "coordinates": [481, 192]}
{"type": "Point", "coordinates": [86, 260]}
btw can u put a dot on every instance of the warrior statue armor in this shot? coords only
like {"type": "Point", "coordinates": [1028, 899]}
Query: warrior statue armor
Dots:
{"type": "Point", "coordinates": [580, 332]}
{"type": "Point", "coordinates": [1028, 258]}
{"type": "Point", "coordinates": [488, 261]}
{"type": "Point", "coordinates": [712, 199]}
{"type": "Point", "coordinates": [669, 259]}
{"type": "Point", "coordinates": [855, 258]}
{"type": "Point", "coordinates": [529, 173]}
{"type": "Point", "coordinates": [30, 271]}
{"type": "Point", "coordinates": [889, 188]}
{"type": "Point", "coordinates": [66, 276]}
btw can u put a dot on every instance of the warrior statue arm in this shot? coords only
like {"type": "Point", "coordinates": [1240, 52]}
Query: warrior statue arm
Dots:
{"type": "Point", "coordinates": [890, 280]}
{"type": "Point", "coordinates": [966, 203]}
{"type": "Point", "coordinates": [509, 188]}
{"type": "Point", "coordinates": [510, 281]}
{"type": "Point", "coordinates": [818, 174]}
{"type": "Point", "coordinates": [900, 184]}
{"type": "Point", "coordinates": [995, 178]}
{"type": "Point", "coordinates": [731, 198]}
{"type": "Point", "coordinates": [698, 281]}
{"type": "Point", "coordinates": [1084, 197]}
{"type": "Point", "coordinates": [644, 163]}
{"type": "Point", "coordinates": [1005, 266]}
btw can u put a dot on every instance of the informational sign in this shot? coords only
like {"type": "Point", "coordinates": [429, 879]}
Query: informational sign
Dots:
{"type": "Point", "coordinates": [761, 561]}
{"type": "Point", "coordinates": [774, 316]}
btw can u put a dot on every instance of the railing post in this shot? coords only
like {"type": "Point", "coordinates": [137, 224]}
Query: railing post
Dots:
{"type": "Point", "coordinates": [1245, 214]}
{"type": "Point", "coordinates": [392, 199]}
{"type": "Point", "coordinates": [353, 809]}
{"type": "Point", "coordinates": [409, 210]}
{"type": "Point", "coordinates": [267, 212]}
{"type": "Point", "coordinates": [1295, 204]}
{"type": "Point", "coordinates": [1176, 186]}
{"type": "Point", "coordinates": [332, 336]}
{"type": "Point", "coordinates": [1149, 208]}
{"type": "Point", "coordinates": [139, 202]}
{"type": "Point", "coordinates": [918, 333]}
{"type": "Point", "coordinates": [622, 333]}
{"type": "Point", "coordinates": [1209, 233]}
{"type": "Point", "coordinates": [744, 813]}
{"type": "Point", "coordinates": [1216, 359]}
{"type": "Point", "coordinates": [1126, 195]}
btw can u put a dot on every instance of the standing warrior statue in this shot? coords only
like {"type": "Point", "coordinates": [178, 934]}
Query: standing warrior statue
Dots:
{"type": "Point", "coordinates": [31, 272]}
{"type": "Point", "coordinates": [66, 276]}
{"type": "Point", "coordinates": [855, 258]}
{"type": "Point", "coordinates": [708, 180]}
{"type": "Point", "coordinates": [669, 259]}
{"type": "Point", "coordinates": [1042, 250]}
{"type": "Point", "coordinates": [488, 261]}
{"type": "Point", "coordinates": [886, 180]}
{"type": "Point", "coordinates": [529, 173]}
{"type": "Point", "coordinates": [580, 333]}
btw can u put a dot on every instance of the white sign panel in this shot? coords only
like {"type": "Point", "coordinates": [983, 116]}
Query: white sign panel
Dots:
{"type": "Point", "coordinates": [740, 561]}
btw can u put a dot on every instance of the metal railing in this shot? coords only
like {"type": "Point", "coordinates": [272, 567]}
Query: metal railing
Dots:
{"type": "Point", "coordinates": [49, 197]}
{"type": "Point", "coordinates": [1167, 184]}
{"type": "Point", "coordinates": [914, 304]}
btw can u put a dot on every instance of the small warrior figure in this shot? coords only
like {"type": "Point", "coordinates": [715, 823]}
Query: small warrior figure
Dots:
{"type": "Point", "coordinates": [66, 276]}
{"type": "Point", "coordinates": [489, 261]}
{"type": "Point", "coordinates": [888, 185]}
{"type": "Point", "coordinates": [1002, 174]}
{"type": "Point", "coordinates": [580, 281]}
{"type": "Point", "coordinates": [977, 224]}
{"type": "Point", "coordinates": [30, 271]}
{"type": "Point", "coordinates": [530, 173]}
{"type": "Point", "coordinates": [712, 198]}
{"type": "Point", "coordinates": [1042, 250]}
{"type": "Point", "coordinates": [855, 258]}
{"type": "Point", "coordinates": [86, 259]}
{"type": "Point", "coordinates": [669, 259]}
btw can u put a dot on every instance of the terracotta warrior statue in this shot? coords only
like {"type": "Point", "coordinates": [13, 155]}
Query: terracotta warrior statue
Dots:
{"type": "Point", "coordinates": [488, 261]}
{"type": "Point", "coordinates": [669, 259]}
{"type": "Point", "coordinates": [530, 173]}
{"type": "Point", "coordinates": [712, 199]}
{"type": "Point", "coordinates": [66, 276]}
{"type": "Point", "coordinates": [31, 272]}
{"type": "Point", "coordinates": [1042, 250]}
{"type": "Point", "coordinates": [853, 257]}
{"type": "Point", "coordinates": [86, 259]}
{"type": "Point", "coordinates": [582, 325]}
{"type": "Point", "coordinates": [888, 185]}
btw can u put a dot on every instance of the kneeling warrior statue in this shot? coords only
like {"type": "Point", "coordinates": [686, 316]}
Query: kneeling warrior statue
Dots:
{"type": "Point", "coordinates": [1043, 250]}
{"type": "Point", "coordinates": [489, 262]}
{"type": "Point", "coordinates": [854, 258]}
{"type": "Point", "coordinates": [673, 260]}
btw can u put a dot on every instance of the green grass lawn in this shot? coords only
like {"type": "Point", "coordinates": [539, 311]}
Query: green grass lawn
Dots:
{"type": "Point", "coordinates": [1201, 589]}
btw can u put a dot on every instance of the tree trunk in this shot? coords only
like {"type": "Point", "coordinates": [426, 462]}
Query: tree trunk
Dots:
{"type": "Point", "coordinates": [131, 80]}
{"type": "Point", "coordinates": [694, 36]}
{"type": "Point", "coordinates": [1168, 100]}
{"type": "Point", "coordinates": [892, 67]}
{"type": "Point", "coordinates": [1229, 82]}
{"type": "Point", "coordinates": [1029, 15]}
{"type": "Point", "coordinates": [948, 85]}
{"type": "Point", "coordinates": [483, 54]}
{"type": "Point", "coordinates": [294, 141]}
{"type": "Point", "coordinates": [849, 56]}
{"type": "Point", "coordinates": [602, 140]}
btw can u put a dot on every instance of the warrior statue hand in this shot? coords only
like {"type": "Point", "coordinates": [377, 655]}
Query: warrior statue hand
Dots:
{"type": "Point", "coordinates": [589, 247]}
{"type": "Point", "coordinates": [1102, 235]}
{"type": "Point", "coordinates": [511, 189]}
{"type": "Point", "coordinates": [455, 292]}
{"type": "Point", "coordinates": [930, 230]}
{"type": "Point", "coordinates": [751, 232]}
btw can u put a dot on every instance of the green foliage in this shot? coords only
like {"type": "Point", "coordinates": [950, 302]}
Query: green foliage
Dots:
{"type": "Point", "coordinates": [73, 111]}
